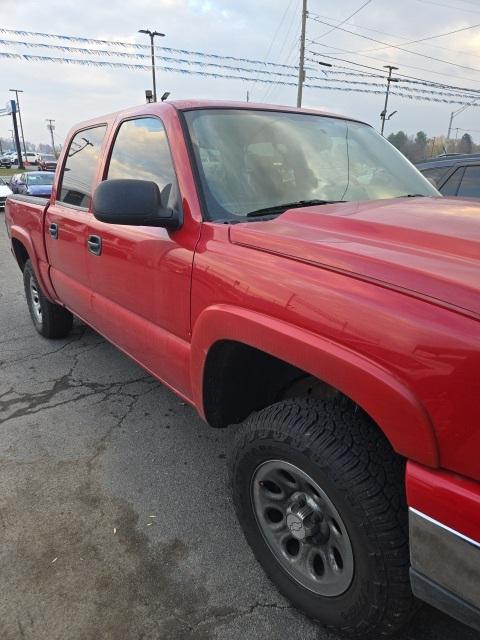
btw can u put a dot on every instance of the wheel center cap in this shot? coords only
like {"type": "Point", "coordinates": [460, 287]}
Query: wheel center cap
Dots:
{"type": "Point", "coordinates": [302, 519]}
{"type": "Point", "coordinates": [295, 524]}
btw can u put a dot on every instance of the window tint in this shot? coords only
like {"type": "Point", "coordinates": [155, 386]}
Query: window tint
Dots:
{"type": "Point", "coordinates": [451, 185]}
{"type": "Point", "coordinates": [252, 159]}
{"type": "Point", "coordinates": [470, 187]}
{"type": "Point", "coordinates": [141, 152]}
{"type": "Point", "coordinates": [81, 167]}
{"type": "Point", "coordinates": [435, 174]}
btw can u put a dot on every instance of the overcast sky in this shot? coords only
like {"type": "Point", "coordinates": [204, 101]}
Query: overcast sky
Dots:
{"type": "Point", "coordinates": [244, 28]}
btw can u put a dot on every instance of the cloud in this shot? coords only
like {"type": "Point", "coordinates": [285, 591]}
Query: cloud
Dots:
{"type": "Point", "coordinates": [238, 28]}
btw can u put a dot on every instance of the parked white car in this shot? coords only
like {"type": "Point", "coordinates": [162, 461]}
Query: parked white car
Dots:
{"type": "Point", "coordinates": [32, 158]}
{"type": "Point", "coordinates": [5, 191]}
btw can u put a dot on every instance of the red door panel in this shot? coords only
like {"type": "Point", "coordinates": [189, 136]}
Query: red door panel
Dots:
{"type": "Point", "coordinates": [67, 256]}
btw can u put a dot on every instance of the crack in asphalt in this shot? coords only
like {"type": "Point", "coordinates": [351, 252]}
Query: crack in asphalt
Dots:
{"type": "Point", "coordinates": [101, 444]}
{"type": "Point", "coordinates": [36, 402]}
{"type": "Point", "coordinates": [220, 618]}
{"type": "Point", "coordinates": [37, 356]}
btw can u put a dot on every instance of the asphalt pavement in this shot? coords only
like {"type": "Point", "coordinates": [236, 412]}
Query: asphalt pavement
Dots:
{"type": "Point", "coordinates": [115, 518]}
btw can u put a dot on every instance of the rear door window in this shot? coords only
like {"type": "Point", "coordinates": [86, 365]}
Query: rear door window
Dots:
{"type": "Point", "coordinates": [81, 167]}
{"type": "Point", "coordinates": [141, 152]}
{"type": "Point", "coordinates": [450, 187]}
{"type": "Point", "coordinates": [470, 185]}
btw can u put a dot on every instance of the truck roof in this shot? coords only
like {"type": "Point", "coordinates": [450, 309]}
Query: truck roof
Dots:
{"type": "Point", "coordinates": [156, 108]}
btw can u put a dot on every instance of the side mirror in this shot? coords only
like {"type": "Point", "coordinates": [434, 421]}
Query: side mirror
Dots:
{"type": "Point", "coordinates": [135, 202]}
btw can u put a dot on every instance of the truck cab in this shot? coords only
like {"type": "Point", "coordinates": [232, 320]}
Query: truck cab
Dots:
{"type": "Point", "coordinates": [289, 270]}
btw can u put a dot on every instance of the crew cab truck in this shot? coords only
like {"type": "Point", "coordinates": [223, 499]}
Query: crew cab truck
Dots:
{"type": "Point", "coordinates": [289, 270]}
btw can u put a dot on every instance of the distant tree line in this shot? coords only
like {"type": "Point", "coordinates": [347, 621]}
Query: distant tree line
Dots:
{"type": "Point", "coordinates": [7, 144]}
{"type": "Point", "coordinates": [420, 146]}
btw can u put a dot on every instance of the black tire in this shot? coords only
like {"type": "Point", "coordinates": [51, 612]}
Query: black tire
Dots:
{"type": "Point", "coordinates": [50, 320]}
{"type": "Point", "coordinates": [336, 445]}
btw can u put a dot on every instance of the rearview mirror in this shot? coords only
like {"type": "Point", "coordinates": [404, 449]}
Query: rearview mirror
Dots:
{"type": "Point", "coordinates": [136, 202]}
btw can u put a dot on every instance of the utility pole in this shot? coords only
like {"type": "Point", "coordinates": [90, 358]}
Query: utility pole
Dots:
{"type": "Point", "coordinates": [452, 116]}
{"type": "Point", "coordinates": [152, 35]}
{"type": "Point", "coordinates": [15, 133]}
{"type": "Point", "coordinates": [383, 115]}
{"type": "Point", "coordinates": [301, 64]}
{"type": "Point", "coordinates": [51, 127]}
{"type": "Point", "coordinates": [16, 92]}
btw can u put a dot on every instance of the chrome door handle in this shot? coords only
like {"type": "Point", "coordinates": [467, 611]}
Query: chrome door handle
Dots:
{"type": "Point", "coordinates": [95, 245]}
{"type": "Point", "coordinates": [53, 230]}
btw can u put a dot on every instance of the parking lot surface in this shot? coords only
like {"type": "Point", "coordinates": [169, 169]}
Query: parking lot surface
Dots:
{"type": "Point", "coordinates": [115, 518]}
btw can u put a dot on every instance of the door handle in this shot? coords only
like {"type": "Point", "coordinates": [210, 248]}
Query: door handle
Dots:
{"type": "Point", "coordinates": [95, 245]}
{"type": "Point", "coordinates": [53, 230]}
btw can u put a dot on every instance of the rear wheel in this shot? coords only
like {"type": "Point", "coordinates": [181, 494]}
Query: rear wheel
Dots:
{"type": "Point", "coordinates": [320, 496]}
{"type": "Point", "coordinates": [50, 320]}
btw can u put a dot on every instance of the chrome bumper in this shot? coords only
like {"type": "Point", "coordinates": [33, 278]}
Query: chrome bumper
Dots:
{"type": "Point", "coordinates": [445, 568]}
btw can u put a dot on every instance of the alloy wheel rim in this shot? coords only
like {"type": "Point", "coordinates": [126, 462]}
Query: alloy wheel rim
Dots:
{"type": "Point", "coordinates": [35, 298]}
{"type": "Point", "coordinates": [302, 528]}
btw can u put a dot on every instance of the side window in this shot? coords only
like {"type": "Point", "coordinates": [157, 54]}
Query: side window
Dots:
{"type": "Point", "coordinates": [450, 187]}
{"type": "Point", "coordinates": [141, 152]}
{"type": "Point", "coordinates": [470, 186]}
{"type": "Point", "coordinates": [436, 173]}
{"type": "Point", "coordinates": [81, 167]}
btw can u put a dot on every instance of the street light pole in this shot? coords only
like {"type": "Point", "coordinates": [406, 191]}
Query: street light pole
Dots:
{"type": "Point", "coordinates": [383, 115]}
{"type": "Point", "coordinates": [452, 116]}
{"type": "Point", "coordinates": [51, 127]}
{"type": "Point", "coordinates": [16, 92]}
{"type": "Point", "coordinates": [152, 35]}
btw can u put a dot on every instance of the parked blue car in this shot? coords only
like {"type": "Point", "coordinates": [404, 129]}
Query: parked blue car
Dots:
{"type": "Point", "coordinates": [38, 183]}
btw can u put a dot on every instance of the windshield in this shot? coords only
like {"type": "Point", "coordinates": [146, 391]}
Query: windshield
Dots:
{"type": "Point", "coordinates": [250, 160]}
{"type": "Point", "coordinates": [49, 158]}
{"type": "Point", "coordinates": [40, 178]}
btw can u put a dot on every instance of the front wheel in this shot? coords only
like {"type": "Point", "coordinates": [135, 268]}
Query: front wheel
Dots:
{"type": "Point", "coordinates": [320, 496]}
{"type": "Point", "coordinates": [50, 320]}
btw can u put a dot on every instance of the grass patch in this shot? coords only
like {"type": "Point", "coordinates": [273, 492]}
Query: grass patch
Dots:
{"type": "Point", "coordinates": [12, 170]}
{"type": "Point", "coordinates": [8, 172]}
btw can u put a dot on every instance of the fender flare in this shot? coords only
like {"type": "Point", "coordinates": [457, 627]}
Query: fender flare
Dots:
{"type": "Point", "coordinates": [386, 399]}
{"type": "Point", "coordinates": [41, 269]}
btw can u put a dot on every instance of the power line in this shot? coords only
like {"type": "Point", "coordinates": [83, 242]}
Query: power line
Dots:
{"type": "Point", "coordinates": [346, 19]}
{"type": "Point", "coordinates": [139, 56]}
{"type": "Point", "coordinates": [367, 88]}
{"type": "Point", "coordinates": [287, 9]}
{"type": "Point", "coordinates": [392, 35]}
{"type": "Point", "coordinates": [448, 6]}
{"type": "Point", "coordinates": [132, 45]}
{"type": "Point", "coordinates": [439, 35]}
{"type": "Point", "coordinates": [404, 77]}
{"type": "Point", "coordinates": [270, 89]}
{"type": "Point", "coordinates": [394, 46]}
{"type": "Point", "coordinates": [407, 66]}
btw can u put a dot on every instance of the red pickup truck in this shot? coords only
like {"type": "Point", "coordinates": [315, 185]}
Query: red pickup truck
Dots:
{"type": "Point", "coordinates": [290, 270]}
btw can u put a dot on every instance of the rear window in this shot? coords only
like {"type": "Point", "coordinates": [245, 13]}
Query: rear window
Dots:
{"type": "Point", "coordinates": [81, 167]}
{"type": "Point", "coordinates": [39, 178]}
